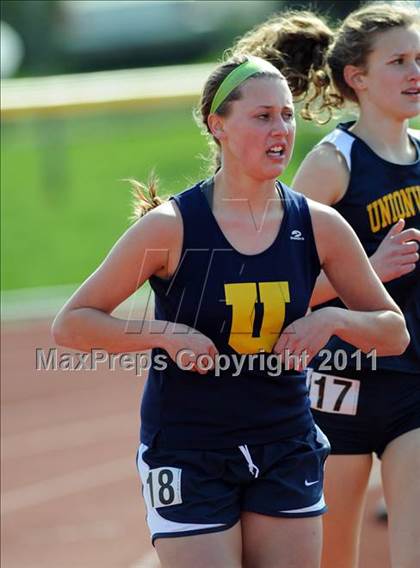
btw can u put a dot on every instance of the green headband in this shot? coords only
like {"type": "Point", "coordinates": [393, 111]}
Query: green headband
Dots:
{"type": "Point", "coordinates": [250, 67]}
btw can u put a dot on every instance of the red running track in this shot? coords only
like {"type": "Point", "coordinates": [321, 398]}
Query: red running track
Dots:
{"type": "Point", "coordinates": [70, 492]}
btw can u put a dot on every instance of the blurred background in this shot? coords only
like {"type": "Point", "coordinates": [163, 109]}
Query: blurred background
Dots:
{"type": "Point", "coordinates": [61, 36]}
{"type": "Point", "coordinates": [94, 92]}
{"type": "Point", "coordinates": [72, 129]}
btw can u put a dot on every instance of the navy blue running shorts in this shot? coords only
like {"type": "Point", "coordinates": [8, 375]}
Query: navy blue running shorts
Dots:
{"type": "Point", "coordinates": [364, 416]}
{"type": "Point", "coordinates": [190, 492]}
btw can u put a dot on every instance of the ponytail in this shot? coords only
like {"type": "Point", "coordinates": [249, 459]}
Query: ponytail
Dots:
{"type": "Point", "coordinates": [145, 196]}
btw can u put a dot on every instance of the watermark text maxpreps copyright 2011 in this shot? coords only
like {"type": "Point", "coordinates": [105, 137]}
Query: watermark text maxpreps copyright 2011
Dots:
{"type": "Point", "coordinates": [272, 364]}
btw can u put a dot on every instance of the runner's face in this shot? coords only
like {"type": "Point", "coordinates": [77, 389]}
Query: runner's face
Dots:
{"type": "Point", "coordinates": [392, 79]}
{"type": "Point", "coordinates": [259, 131]}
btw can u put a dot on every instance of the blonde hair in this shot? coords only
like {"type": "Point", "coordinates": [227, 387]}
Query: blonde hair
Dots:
{"type": "Point", "coordinates": [145, 197]}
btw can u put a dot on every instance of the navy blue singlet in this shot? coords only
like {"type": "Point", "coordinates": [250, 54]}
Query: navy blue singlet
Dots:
{"type": "Point", "coordinates": [379, 193]}
{"type": "Point", "coordinates": [241, 302]}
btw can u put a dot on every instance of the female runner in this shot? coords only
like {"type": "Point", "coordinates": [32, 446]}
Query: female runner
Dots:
{"type": "Point", "coordinates": [230, 460]}
{"type": "Point", "coordinates": [369, 171]}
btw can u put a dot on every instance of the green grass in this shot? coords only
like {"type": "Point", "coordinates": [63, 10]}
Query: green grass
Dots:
{"type": "Point", "coordinates": [63, 199]}
{"type": "Point", "coordinates": [64, 202]}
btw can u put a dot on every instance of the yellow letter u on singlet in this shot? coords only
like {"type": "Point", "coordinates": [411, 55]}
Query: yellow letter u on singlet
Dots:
{"type": "Point", "coordinates": [253, 301]}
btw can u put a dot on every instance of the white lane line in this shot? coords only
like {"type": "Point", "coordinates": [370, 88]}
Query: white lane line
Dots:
{"type": "Point", "coordinates": [57, 487]}
{"type": "Point", "coordinates": [149, 560]}
{"type": "Point", "coordinates": [73, 434]}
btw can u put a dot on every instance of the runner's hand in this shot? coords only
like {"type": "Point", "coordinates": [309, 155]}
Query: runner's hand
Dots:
{"type": "Point", "coordinates": [185, 345]}
{"type": "Point", "coordinates": [397, 254]}
{"type": "Point", "coordinates": [300, 341]}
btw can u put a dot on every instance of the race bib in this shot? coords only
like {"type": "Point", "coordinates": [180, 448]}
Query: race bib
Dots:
{"type": "Point", "coordinates": [337, 395]}
{"type": "Point", "coordinates": [164, 486]}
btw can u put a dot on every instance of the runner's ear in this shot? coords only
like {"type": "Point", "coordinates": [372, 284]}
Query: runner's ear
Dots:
{"type": "Point", "coordinates": [216, 126]}
{"type": "Point", "coordinates": [354, 77]}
